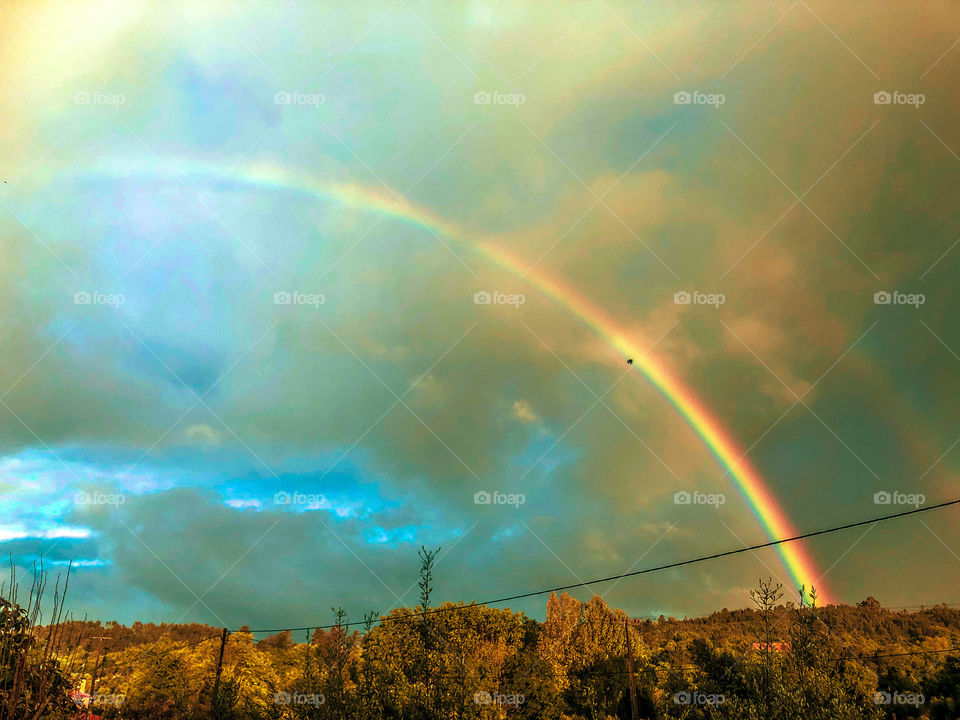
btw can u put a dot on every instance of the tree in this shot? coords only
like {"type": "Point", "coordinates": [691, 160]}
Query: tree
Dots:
{"type": "Point", "coordinates": [765, 597]}
{"type": "Point", "coordinates": [430, 650]}
{"type": "Point", "coordinates": [944, 690]}
{"type": "Point", "coordinates": [33, 682]}
{"type": "Point", "coordinates": [281, 641]}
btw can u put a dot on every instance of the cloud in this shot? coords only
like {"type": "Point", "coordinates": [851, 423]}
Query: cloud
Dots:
{"type": "Point", "coordinates": [203, 434]}
{"type": "Point", "coordinates": [521, 410]}
{"type": "Point", "coordinates": [199, 398]}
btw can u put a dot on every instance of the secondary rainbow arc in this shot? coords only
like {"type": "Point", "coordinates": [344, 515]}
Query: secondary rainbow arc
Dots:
{"type": "Point", "coordinates": [725, 449]}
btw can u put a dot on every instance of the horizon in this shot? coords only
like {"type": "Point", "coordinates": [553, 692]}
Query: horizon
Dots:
{"type": "Point", "coordinates": [787, 605]}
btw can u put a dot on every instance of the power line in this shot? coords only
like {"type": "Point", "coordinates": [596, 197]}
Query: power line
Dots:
{"type": "Point", "coordinates": [645, 571]}
{"type": "Point", "coordinates": [155, 654]}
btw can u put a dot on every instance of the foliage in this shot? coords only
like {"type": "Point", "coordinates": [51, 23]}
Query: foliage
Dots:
{"type": "Point", "coordinates": [33, 684]}
{"type": "Point", "coordinates": [471, 662]}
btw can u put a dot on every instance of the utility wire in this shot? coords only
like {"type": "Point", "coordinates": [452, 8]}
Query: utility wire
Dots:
{"type": "Point", "coordinates": [155, 654]}
{"type": "Point", "coordinates": [645, 571]}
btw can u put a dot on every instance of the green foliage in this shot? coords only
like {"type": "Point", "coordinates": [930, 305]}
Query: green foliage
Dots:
{"type": "Point", "coordinates": [468, 662]}
{"type": "Point", "coordinates": [33, 682]}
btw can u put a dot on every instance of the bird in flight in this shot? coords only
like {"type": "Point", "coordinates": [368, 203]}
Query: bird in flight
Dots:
{"type": "Point", "coordinates": [629, 361]}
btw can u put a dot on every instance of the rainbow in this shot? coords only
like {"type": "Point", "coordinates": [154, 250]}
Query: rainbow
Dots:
{"type": "Point", "coordinates": [761, 500]}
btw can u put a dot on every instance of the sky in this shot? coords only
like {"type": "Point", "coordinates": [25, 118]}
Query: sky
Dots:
{"type": "Point", "coordinates": [290, 290]}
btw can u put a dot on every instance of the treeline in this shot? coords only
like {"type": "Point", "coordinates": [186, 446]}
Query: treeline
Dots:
{"type": "Point", "coordinates": [120, 637]}
{"type": "Point", "coordinates": [866, 628]}
{"type": "Point", "coordinates": [779, 660]}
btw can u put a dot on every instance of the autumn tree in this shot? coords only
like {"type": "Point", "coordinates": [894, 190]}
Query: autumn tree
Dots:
{"type": "Point", "coordinates": [33, 674]}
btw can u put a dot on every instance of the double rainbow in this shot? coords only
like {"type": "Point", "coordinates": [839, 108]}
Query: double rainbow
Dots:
{"type": "Point", "coordinates": [761, 500]}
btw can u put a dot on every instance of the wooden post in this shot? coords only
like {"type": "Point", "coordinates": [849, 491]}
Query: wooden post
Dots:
{"type": "Point", "coordinates": [633, 688]}
{"type": "Point", "coordinates": [216, 682]}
